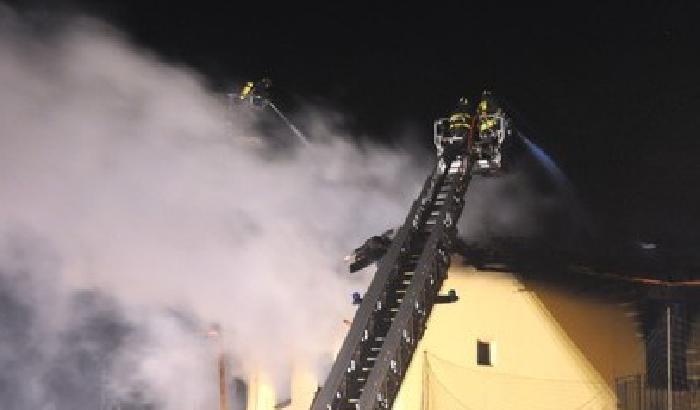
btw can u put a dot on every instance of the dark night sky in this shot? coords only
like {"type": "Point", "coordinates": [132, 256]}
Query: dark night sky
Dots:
{"type": "Point", "coordinates": [612, 93]}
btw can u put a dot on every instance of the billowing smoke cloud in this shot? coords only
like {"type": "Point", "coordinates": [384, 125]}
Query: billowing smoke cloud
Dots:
{"type": "Point", "coordinates": [136, 210]}
{"type": "Point", "coordinates": [134, 213]}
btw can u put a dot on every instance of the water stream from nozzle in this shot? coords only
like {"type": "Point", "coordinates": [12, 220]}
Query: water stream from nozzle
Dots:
{"type": "Point", "coordinates": [295, 130]}
{"type": "Point", "coordinates": [561, 181]}
{"type": "Point", "coordinates": [547, 162]}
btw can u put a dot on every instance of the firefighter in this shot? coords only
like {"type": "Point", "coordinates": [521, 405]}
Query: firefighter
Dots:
{"type": "Point", "coordinates": [483, 107]}
{"type": "Point", "coordinates": [459, 130]}
{"type": "Point", "coordinates": [247, 90]}
{"type": "Point", "coordinates": [256, 92]}
{"type": "Point", "coordinates": [461, 118]}
{"type": "Point", "coordinates": [487, 123]}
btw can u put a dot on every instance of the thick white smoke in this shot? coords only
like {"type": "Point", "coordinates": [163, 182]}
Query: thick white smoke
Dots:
{"type": "Point", "coordinates": [132, 215]}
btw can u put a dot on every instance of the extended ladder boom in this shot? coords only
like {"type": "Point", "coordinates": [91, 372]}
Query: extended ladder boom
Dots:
{"type": "Point", "coordinates": [391, 319]}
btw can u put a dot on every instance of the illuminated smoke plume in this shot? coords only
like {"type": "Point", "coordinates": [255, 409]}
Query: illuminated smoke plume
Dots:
{"type": "Point", "coordinates": [135, 211]}
{"type": "Point", "coordinates": [133, 215]}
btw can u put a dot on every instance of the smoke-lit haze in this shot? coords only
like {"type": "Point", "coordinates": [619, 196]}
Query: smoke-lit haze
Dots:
{"type": "Point", "coordinates": [133, 214]}
{"type": "Point", "coordinates": [532, 200]}
{"type": "Point", "coordinates": [136, 210]}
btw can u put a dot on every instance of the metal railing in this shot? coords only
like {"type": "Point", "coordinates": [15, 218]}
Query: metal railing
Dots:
{"type": "Point", "coordinates": [634, 394]}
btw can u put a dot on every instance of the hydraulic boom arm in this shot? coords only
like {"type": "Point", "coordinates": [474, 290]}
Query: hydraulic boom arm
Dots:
{"type": "Point", "coordinates": [391, 319]}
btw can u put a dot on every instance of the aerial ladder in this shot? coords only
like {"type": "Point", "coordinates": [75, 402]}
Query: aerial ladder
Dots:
{"type": "Point", "coordinates": [392, 316]}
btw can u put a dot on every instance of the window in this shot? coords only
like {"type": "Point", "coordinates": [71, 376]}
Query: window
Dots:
{"type": "Point", "coordinates": [483, 353]}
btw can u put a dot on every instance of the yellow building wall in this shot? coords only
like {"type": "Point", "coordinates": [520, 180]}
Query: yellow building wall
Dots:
{"type": "Point", "coordinates": [549, 349]}
{"type": "Point", "coordinates": [607, 335]}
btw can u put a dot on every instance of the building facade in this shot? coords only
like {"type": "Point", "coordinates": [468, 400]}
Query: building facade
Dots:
{"type": "Point", "coordinates": [522, 341]}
